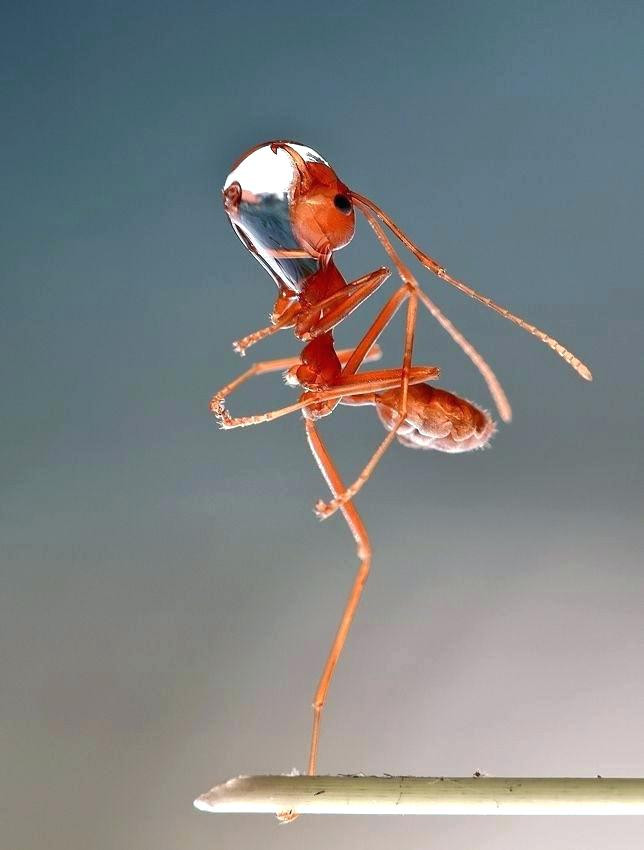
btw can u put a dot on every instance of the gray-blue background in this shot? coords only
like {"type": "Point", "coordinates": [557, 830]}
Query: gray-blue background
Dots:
{"type": "Point", "coordinates": [167, 595]}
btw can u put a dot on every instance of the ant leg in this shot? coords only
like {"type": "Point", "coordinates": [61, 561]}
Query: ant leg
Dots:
{"type": "Point", "coordinates": [266, 366]}
{"type": "Point", "coordinates": [410, 287]}
{"type": "Point", "coordinates": [359, 533]}
{"type": "Point", "coordinates": [324, 510]}
{"type": "Point", "coordinates": [375, 329]}
{"type": "Point", "coordinates": [308, 321]}
{"type": "Point", "coordinates": [375, 353]}
{"type": "Point", "coordinates": [287, 319]}
{"type": "Point", "coordinates": [364, 383]}
{"type": "Point", "coordinates": [384, 378]}
{"type": "Point", "coordinates": [261, 368]}
{"type": "Point", "coordinates": [311, 324]}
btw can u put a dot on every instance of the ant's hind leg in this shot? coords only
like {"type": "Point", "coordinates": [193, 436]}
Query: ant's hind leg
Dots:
{"type": "Point", "coordinates": [359, 532]}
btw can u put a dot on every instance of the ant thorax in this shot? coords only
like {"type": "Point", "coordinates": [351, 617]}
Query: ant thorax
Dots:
{"type": "Point", "coordinates": [258, 197]}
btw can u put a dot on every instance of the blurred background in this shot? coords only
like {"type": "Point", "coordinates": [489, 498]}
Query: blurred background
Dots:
{"type": "Point", "coordinates": [168, 597]}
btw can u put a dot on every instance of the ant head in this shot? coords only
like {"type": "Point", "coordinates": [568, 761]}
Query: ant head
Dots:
{"type": "Point", "coordinates": [288, 202]}
{"type": "Point", "coordinates": [321, 207]}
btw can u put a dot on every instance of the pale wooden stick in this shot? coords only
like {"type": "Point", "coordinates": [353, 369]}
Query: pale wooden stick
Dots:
{"type": "Point", "coordinates": [412, 795]}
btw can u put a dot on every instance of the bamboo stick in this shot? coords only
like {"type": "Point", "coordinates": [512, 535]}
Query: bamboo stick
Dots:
{"type": "Point", "coordinates": [411, 795]}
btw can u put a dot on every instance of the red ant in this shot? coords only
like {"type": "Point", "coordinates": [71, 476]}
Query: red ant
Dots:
{"type": "Point", "coordinates": [292, 212]}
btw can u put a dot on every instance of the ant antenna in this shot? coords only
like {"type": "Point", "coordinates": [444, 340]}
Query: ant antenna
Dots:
{"type": "Point", "coordinates": [435, 267]}
{"type": "Point", "coordinates": [495, 388]}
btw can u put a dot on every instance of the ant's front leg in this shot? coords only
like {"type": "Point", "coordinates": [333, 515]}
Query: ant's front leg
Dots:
{"type": "Point", "coordinates": [324, 315]}
{"type": "Point", "coordinates": [284, 316]}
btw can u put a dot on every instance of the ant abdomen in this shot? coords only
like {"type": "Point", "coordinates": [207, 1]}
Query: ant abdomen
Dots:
{"type": "Point", "coordinates": [436, 419]}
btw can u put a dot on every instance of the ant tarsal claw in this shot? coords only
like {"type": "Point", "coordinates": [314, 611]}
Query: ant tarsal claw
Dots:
{"type": "Point", "coordinates": [220, 412]}
{"type": "Point", "coordinates": [318, 509]}
{"type": "Point", "coordinates": [225, 419]}
{"type": "Point", "coordinates": [239, 347]}
{"type": "Point", "coordinates": [323, 510]}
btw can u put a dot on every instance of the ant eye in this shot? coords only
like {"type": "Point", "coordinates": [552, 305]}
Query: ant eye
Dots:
{"type": "Point", "coordinates": [342, 203]}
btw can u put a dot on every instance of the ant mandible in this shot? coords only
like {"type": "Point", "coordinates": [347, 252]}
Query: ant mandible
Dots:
{"type": "Point", "coordinates": [291, 211]}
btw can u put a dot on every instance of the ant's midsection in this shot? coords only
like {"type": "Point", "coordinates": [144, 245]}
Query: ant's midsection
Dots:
{"type": "Point", "coordinates": [320, 365]}
{"type": "Point", "coordinates": [434, 418]}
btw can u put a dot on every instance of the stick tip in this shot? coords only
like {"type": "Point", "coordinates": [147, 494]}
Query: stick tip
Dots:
{"type": "Point", "coordinates": [207, 802]}
{"type": "Point", "coordinates": [201, 803]}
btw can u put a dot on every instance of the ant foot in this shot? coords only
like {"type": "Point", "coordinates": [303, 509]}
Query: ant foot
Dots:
{"type": "Point", "coordinates": [239, 347]}
{"type": "Point", "coordinates": [323, 510]}
{"type": "Point", "coordinates": [286, 817]}
{"type": "Point", "coordinates": [217, 406]}
{"type": "Point", "coordinates": [225, 419]}
{"type": "Point", "coordinates": [220, 412]}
